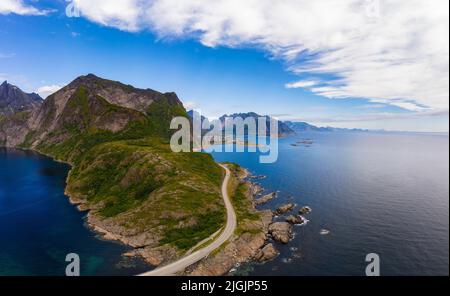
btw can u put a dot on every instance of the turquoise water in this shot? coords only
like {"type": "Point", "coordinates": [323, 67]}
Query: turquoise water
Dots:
{"type": "Point", "coordinates": [376, 193]}
{"type": "Point", "coordinates": [39, 227]}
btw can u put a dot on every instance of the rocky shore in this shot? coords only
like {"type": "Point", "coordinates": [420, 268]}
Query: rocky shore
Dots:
{"type": "Point", "coordinates": [240, 249]}
{"type": "Point", "coordinates": [266, 198]}
{"type": "Point", "coordinates": [143, 244]}
{"type": "Point", "coordinates": [250, 240]}
{"type": "Point", "coordinates": [255, 240]}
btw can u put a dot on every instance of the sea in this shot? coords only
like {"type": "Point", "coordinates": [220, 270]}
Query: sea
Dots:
{"type": "Point", "coordinates": [371, 193]}
{"type": "Point", "coordinates": [39, 227]}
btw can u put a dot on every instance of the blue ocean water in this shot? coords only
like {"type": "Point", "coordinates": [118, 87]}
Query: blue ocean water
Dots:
{"type": "Point", "coordinates": [375, 192]}
{"type": "Point", "coordinates": [39, 227]}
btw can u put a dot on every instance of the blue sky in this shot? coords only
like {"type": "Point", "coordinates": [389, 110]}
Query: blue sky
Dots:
{"type": "Point", "coordinates": [44, 49]}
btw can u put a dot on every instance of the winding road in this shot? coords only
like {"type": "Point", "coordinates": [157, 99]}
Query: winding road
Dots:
{"type": "Point", "coordinates": [183, 263]}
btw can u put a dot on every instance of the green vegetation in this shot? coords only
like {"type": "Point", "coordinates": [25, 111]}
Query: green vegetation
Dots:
{"type": "Point", "coordinates": [145, 186]}
{"type": "Point", "coordinates": [161, 113]}
{"type": "Point", "coordinates": [131, 175]}
{"type": "Point", "coordinates": [242, 202]}
{"type": "Point", "coordinates": [124, 171]}
{"type": "Point", "coordinates": [28, 140]}
{"type": "Point", "coordinates": [188, 237]}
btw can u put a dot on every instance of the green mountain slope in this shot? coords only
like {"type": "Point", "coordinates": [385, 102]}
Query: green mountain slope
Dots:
{"type": "Point", "coordinates": [116, 138]}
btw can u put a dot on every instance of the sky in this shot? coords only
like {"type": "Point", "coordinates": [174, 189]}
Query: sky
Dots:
{"type": "Point", "coordinates": [376, 64]}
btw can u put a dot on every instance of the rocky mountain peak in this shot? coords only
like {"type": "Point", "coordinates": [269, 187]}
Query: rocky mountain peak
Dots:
{"type": "Point", "coordinates": [121, 94]}
{"type": "Point", "coordinates": [13, 99]}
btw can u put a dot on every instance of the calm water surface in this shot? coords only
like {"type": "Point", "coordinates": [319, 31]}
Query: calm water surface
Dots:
{"type": "Point", "coordinates": [377, 193]}
{"type": "Point", "coordinates": [39, 227]}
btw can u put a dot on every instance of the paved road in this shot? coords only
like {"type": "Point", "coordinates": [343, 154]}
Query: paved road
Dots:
{"type": "Point", "coordinates": [180, 265]}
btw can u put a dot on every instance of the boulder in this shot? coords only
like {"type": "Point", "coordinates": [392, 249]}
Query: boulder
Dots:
{"type": "Point", "coordinates": [295, 219]}
{"type": "Point", "coordinates": [281, 232]}
{"type": "Point", "coordinates": [267, 253]}
{"type": "Point", "coordinates": [284, 209]}
{"type": "Point", "coordinates": [305, 210]}
{"type": "Point", "coordinates": [266, 198]}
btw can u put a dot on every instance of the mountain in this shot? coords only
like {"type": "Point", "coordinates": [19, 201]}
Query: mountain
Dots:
{"type": "Point", "coordinates": [92, 107]}
{"type": "Point", "coordinates": [13, 100]}
{"type": "Point", "coordinates": [116, 139]}
{"type": "Point", "coordinates": [283, 129]}
{"type": "Point", "coordinates": [301, 126]}
{"type": "Point", "coordinates": [306, 127]}
{"type": "Point", "coordinates": [191, 115]}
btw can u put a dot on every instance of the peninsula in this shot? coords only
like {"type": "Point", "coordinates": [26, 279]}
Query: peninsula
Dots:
{"type": "Point", "coordinates": [164, 205]}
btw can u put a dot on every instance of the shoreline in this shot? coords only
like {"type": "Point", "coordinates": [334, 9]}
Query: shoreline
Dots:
{"type": "Point", "coordinates": [248, 244]}
{"type": "Point", "coordinates": [151, 257]}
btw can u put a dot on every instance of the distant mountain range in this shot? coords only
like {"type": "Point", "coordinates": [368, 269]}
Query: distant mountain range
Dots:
{"type": "Point", "coordinates": [13, 99]}
{"type": "Point", "coordinates": [299, 127]}
{"type": "Point", "coordinates": [283, 129]}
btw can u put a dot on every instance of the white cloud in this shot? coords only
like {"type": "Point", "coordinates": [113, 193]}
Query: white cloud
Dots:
{"type": "Point", "coordinates": [122, 14]}
{"type": "Point", "coordinates": [397, 53]}
{"type": "Point", "coordinates": [302, 84]}
{"type": "Point", "coordinates": [45, 91]}
{"type": "Point", "coordinates": [19, 7]}
{"type": "Point", "coordinates": [377, 117]}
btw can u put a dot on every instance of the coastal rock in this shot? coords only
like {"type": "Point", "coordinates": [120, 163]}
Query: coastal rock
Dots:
{"type": "Point", "coordinates": [266, 198]}
{"type": "Point", "coordinates": [132, 253]}
{"type": "Point", "coordinates": [234, 253]}
{"type": "Point", "coordinates": [258, 177]}
{"type": "Point", "coordinates": [284, 209]}
{"type": "Point", "coordinates": [295, 219]}
{"type": "Point", "coordinates": [267, 253]}
{"type": "Point", "coordinates": [255, 189]}
{"type": "Point", "coordinates": [266, 219]}
{"type": "Point", "coordinates": [159, 255]}
{"type": "Point", "coordinates": [281, 232]}
{"type": "Point", "coordinates": [154, 256]}
{"type": "Point", "coordinates": [305, 210]}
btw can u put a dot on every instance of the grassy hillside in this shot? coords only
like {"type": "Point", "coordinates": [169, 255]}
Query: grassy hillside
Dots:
{"type": "Point", "coordinates": [147, 187]}
{"type": "Point", "coordinates": [117, 138]}
{"type": "Point", "coordinates": [124, 171]}
{"type": "Point", "coordinates": [239, 190]}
